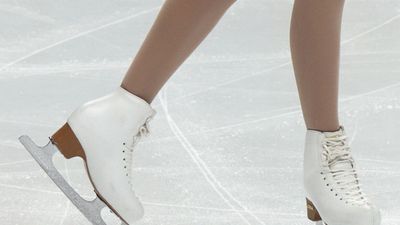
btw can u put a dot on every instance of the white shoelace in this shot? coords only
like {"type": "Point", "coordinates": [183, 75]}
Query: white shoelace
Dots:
{"type": "Point", "coordinates": [339, 163]}
{"type": "Point", "coordinates": [128, 152]}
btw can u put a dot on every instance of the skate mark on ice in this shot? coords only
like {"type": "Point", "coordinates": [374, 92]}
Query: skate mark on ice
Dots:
{"type": "Point", "coordinates": [226, 126]}
{"type": "Point", "coordinates": [355, 132]}
{"type": "Point", "coordinates": [294, 112]}
{"type": "Point", "coordinates": [108, 43]}
{"type": "Point", "coordinates": [397, 84]}
{"type": "Point", "coordinates": [22, 188]}
{"type": "Point", "coordinates": [16, 162]}
{"type": "Point", "coordinates": [76, 36]}
{"type": "Point", "coordinates": [288, 63]}
{"type": "Point", "coordinates": [218, 209]}
{"type": "Point", "coordinates": [388, 172]}
{"type": "Point", "coordinates": [29, 189]}
{"type": "Point", "coordinates": [47, 70]}
{"type": "Point", "coordinates": [26, 123]}
{"type": "Point", "coordinates": [54, 213]}
{"type": "Point", "coordinates": [214, 87]}
{"type": "Point", "coordinates": [207, 173]}
{"type": "Point", "coordinates": [21, 11]}
{"type": "Point", "coordinates": [377, 27]}
{"type": "Point", "coordinates": [380, 161]}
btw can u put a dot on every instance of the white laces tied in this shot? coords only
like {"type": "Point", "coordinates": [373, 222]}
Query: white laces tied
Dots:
{"type": "Point", "coordinates": [143, 131]}
{"type": "Point", "coordinates": [339, 163]}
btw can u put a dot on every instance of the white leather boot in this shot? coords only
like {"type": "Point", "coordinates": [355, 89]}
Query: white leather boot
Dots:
{"type": "Point", "coordinates": [331, 182]}
{"type": "Point", "coordinates": [104, 132]}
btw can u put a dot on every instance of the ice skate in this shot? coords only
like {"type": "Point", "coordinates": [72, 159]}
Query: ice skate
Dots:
{"type": "Point", "coordinates": [103, 133]}
{"type": "Point", "coordinates": [334, 195]}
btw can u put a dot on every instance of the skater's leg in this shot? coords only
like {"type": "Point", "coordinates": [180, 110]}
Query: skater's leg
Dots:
{"type": "Point", "coordinates": [180, 27]}
{"type": "Point", "coordinates": [105, 131]}
{"type": "Point", "coordinates": [315, 44]}
{"type": "Point", "coordinates": [332, 185]}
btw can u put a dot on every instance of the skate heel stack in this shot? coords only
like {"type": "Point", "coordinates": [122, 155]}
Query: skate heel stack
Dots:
{"type": "Point", "coordinates": [312, 212]}
{"type": "Point", "coordinates": [67, 143]}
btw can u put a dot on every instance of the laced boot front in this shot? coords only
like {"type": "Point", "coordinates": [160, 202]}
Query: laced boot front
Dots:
{"type": "Point", "coordinates": [129, 149]}
{"type": "Point", "coordinates": [333, 188]}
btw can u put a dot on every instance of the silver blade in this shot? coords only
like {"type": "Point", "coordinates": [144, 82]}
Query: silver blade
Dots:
{"type": "Point", "coordinates": [43, 156]}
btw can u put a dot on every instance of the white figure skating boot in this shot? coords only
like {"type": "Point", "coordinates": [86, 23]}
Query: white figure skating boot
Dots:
{"type": "Point", "coordinates": [334, 196]}
{"type": "Point", "coordinates": [103, 132]}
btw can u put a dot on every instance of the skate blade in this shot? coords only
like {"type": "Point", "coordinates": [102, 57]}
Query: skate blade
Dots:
{"type": "Point", "coordinates": [320, 223]}
{"type": "Point", "coordinates": [43, 156]}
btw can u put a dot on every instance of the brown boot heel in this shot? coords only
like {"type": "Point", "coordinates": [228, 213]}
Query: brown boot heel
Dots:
{"type": "Point", "coordinates": [312, 212]}
{"type": "Point", "coordinates": [67, 143]}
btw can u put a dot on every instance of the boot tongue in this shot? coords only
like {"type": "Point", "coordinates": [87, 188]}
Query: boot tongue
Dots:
{"type": "Point", "coordinates": [341, 158]}
{"type": "Point", "coordinates": [330, 134]}
{"type": "Point", "coordinates": [341, 163]}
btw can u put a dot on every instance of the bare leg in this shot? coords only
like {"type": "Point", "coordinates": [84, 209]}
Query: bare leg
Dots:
{"type": "Point", "coordinates": [180, 27]}
{"type": "Point", "coordinates": [315, 43]}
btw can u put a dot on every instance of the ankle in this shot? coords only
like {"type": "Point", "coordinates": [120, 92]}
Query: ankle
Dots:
{"type": "Point", "coordinates": [139, 94]}
{"type": "Point", "coordinates": [325, 128]}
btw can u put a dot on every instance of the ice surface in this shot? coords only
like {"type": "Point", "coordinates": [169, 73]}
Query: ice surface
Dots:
{"type": "Point", "coordinates": [226, 146]}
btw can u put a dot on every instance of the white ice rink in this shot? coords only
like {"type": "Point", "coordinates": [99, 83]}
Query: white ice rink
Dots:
{"type": "Point", "coordinates": [227, 143]}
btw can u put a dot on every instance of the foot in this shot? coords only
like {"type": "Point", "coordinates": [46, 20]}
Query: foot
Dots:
{"type": "Point", "coordinates": [331, 182]}
{"type": "Point", "coordinates": [104, 133]}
